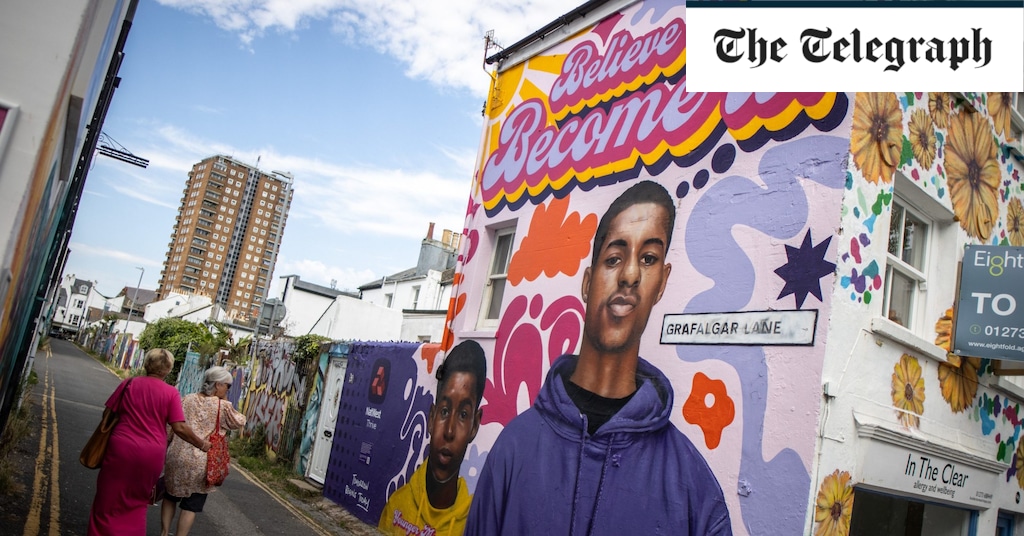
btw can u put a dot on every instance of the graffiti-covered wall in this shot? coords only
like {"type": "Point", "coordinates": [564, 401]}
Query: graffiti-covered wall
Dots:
{"type": "Point", "coordinates": [728, 298]}
{"type": "Point", "coordinates": [276, 395]}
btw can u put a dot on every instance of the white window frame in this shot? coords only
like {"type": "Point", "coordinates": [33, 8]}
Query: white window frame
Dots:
{"type": "Point", "coordinates": [1015, 138]}
{"type": "Point", "coordinates": [497, 277]}
{"type": "Point", "coordinates": [896, 265]}
{"type": "Point", "coordinates": [939, 267]}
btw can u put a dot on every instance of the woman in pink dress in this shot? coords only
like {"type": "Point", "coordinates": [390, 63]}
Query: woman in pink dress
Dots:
{"type": "Point", "coordinates": [135, 454]}
{"type": "Point", "coordinates": [185, 469]}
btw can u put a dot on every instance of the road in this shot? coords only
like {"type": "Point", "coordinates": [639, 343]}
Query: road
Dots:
{"type": "Point", "coordinates": [58, 493]}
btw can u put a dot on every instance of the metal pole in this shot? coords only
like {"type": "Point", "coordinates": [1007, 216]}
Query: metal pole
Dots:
{"type": "Point", "coordinates": [135, 296]}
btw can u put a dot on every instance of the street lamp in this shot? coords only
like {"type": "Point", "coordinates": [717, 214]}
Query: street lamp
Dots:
{"type": "Point", "coordinates": [135, 296]}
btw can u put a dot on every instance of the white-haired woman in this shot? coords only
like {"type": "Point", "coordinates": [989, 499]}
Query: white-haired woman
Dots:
{"type": "Point", "coordinates": [135, 453]}
{"type": "Point", "coordinates": [185, 469]}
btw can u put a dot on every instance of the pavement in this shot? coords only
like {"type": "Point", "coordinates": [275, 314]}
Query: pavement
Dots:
{"type": "Point", "coordinates": [52, 492]}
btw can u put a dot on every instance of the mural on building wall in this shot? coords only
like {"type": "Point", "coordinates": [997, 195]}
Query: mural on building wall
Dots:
{"type": "Point", "coordinates": [756, 181]}
{"type": "Point", "coordinates": [381, 433]}
{"type": "Point", "coordinates": [954, 148]}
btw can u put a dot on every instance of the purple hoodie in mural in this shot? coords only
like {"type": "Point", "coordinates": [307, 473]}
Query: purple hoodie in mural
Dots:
{"type": "Point", "coordinates": [637, 474]}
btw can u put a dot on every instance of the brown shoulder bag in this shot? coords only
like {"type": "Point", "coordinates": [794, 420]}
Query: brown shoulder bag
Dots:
{"type": "Point", "coordinates": [96, 448]}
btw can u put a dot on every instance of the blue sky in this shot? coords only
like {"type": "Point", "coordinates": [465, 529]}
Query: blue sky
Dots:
{"type": "Point", "coordinates": [373, 105]}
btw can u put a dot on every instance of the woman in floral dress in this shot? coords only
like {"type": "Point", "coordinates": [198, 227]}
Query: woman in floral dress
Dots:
{"type": "Point", "coordinates": [185, 469]}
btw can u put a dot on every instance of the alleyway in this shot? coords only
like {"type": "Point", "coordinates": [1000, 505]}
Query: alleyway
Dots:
{"type": "Point", "coordinates": [57, 491]}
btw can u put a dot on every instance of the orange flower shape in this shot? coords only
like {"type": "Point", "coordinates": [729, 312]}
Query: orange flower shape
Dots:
{"type": "Point", "coordinates": [834, 505]}
{"type": "Point", "coordinates": [713, 418]}
{"type": "Point", "coordinates": [455, 306]}
{"type": "Point", "coordinates": [877, 137]}
{"type": "Point", "coordinates": [555, 243]}
{"type": "Point", "coordinates": [428, 353]}
{"type": "Point", "coordinates": [908, 390]}
{"type": "Point", "coordinates": [972, 174]}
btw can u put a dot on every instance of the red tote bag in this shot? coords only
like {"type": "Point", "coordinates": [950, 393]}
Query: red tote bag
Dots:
{"type": "Point", "coordinates": [217, 458]}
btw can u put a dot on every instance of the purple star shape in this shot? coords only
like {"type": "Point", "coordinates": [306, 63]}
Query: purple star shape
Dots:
{"type": "Point", "coordinates": [804, 270]}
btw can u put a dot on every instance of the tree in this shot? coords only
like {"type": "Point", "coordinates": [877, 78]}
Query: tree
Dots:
{"type": "Point", "coordinates": [175, 335]}
{"type": "Point", "coordinates": [308, 346]}
{"type": "Point", "coordinates": [239, 352]}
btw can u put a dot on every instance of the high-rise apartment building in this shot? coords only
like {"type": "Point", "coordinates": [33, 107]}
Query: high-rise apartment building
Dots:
{"type": "Point", "coordinates": [227, 235]}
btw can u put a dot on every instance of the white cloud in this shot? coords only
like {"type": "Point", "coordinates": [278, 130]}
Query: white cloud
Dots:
{"type": "Point", "coordinates": [440, 41]}
{"type": "Point", "coordinates": [85, 249]}
{"type": "Point", "coordinates": [317, 272]}
{"type": "Point", "coordinates": [340, 199]}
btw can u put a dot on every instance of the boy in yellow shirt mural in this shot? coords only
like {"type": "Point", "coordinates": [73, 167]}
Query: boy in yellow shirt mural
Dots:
{"type": "Point", "coordinates": [435, 500]}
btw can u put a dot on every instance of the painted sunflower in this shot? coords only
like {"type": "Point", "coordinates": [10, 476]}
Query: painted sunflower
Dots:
{"type": "Point", "coordinates": [938, 105]}
{"type": "Point", "coordinates": [908, 391]}
{"type": "Point", "coordinates": [1018, 464]}
{"type": "Point", "coordinates": [877, 136]}
{"type": "Point", "coordinates": [972, 174]}
{"type": "Point", "coordinates": [999, 105]}
{"type": "Point", "coordinates": [1015, 222]}
{"type": "Point", "coordinates": [922, 138]}
{"type": "Point", "coordinates": [834, 505]}
{"type": "Point", "coordinates": [944, 329]}
{"type": "Point", "coordinates": [959, 384]}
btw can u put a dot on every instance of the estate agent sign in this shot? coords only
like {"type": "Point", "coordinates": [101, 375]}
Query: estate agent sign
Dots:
{"type": "Point", "coordinates": [990, 309]}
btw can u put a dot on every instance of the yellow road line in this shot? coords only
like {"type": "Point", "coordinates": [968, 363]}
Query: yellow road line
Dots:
{"type": "Point", "coordinates": [47, 461]}
{"type": "Point", "coordinates": [54, 462]}
{"type": "Point", "coordinates": [39, 485]}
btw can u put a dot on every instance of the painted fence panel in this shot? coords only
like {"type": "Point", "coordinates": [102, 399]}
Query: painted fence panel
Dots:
{"type": "Point", "coordinates": [381, 433]}
{"type": "Point", "coordinates": [276, 395]}
{"type": "Point", "coordinates": [190, 377]}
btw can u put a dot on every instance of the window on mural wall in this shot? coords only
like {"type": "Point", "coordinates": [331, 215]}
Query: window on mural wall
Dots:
{"type": "Point", "coordinates": [1017, 116]}
{"type": "Point", "coordinates": [496, 277]}
{"type": "Point", "coordinates": [905, 270]}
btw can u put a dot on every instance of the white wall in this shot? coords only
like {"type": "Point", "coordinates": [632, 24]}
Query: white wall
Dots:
{"type": "Point", "coordinates": [431, 296]}
{"type": "Point", "coordinates": [177, 304]}
{"type": "Point", "coordinates": [304, 309]}
{"type": "Point", "coordinates": [416, 326]}
{"type": "Point", "coordinates": [352, 319]}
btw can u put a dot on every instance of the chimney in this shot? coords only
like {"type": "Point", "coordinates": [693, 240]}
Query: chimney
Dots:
{"type": "Point", "coordinates": [430, 231]}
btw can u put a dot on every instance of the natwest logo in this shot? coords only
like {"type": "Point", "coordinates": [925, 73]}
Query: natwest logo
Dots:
{"type": "Point", "coordinates": [379, 383]}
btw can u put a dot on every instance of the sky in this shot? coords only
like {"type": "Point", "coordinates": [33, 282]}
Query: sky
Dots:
{"type": "Point", "coordinates": [373, 105]}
